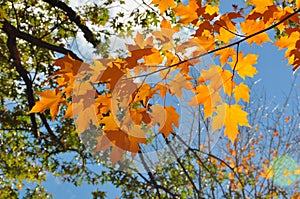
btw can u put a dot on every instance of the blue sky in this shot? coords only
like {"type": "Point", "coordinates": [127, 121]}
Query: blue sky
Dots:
{"type": "Point", "coordinates": [275, 80]}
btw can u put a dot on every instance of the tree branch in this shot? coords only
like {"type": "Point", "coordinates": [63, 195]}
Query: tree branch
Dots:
{"type": "Point", "coordinates": [13, 32]}
{"type": "Point", "coordinates": [221, 48]}
{"type": "Point", "coordinates": [15, 55]}
{"type": "Point", "coordinates": [88, 35]}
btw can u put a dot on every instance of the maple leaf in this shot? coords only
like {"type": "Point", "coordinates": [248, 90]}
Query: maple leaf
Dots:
{"type": "Point", "coordinates": [163, 89]}
{"type": "Point", "coordinates": [252, 26]}
{"type": "Point", "coordinates": [153, 59]}
{"type": "Point", "coordinates": [111, 123]}
{"type": "Point", "coordinates": [187, 13]}
{"type": "Point", "coordinates": [157, 115]}
{"type": "Point", "coordinates": [144, 93]}
{"type": "Point", "coordinates": [225, 54]}
{"type": "Point", "coordinates": [180, 82]}
{"type": "Point", "coordinates": [206, 40]}
{"type": "Point", "coordinates": [288, 42]}
{"type": "Point", "coordinates": [225, 36]}
{"type": "Point", "coordinates": [244, 66]}
{"type": "Point", "coordinates": [229, 116]}
{"type": "Point", "coordinates": [84, 111]}
{"type": "Point", "coordinates": [107, 76]}
{"type": "Point", "coordinates": [261, 6]}
{"type": "Point", "coordinates": [218, 78]}
{"type": "Point", "coordinates": [206, 96]}
{"type": "Point", "coordinates": [241, 92]}
{"type": "Point", "coordinates": [211, 9]}
{"type": "Point", "coordinates": [163, 5]}
{"type": "Point", "coordinates": [137, 116]}
{"type": "Point", "coordinates": [68, 65]}
{"type": "Point", "coordinates": [167, 25]}
{"type": "Point", "coordinates": [172, 118]}
{"type": "Point", "coordinates": [50, 99]}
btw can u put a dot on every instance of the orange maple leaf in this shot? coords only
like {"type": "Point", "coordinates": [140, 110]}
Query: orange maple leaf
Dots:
{"type": "Point", "coordinates": [68, 65]}
{"type": "Point", "coordinates": [180, 82]}
{"type": "Point", "coordinates": [187, 13]}
{"type": "Point", "coordinates": [208, 97]}
{"type": "Point", "coordinates": [206, 40]}
{"type": "Point", "coordinates": [230, 116]}
{"type": "Point", "coordinates": [144, 93]}
{"type": "Point", "coordinates": [252, 26]}
{"type": "Point", "coordinates": [50, 99]}
{"type": "Point", "coordinates": [225, 54]}
{"type": "Point", "coordinates": [163, 89]}
{"type": "Point", "coordinates": [172, 118]}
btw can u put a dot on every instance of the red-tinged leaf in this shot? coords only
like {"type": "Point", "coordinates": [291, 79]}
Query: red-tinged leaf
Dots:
{"type": "Point", "coordinates": [206, 40]}
{"type": "Point", "coordinates": [68, 65]}
{"type": "Point", "coordinates": [202, 26]}
{"type": "Point", "coordinates": [107, 76]}
{"type": "Point", "coordinates": [50, 99]}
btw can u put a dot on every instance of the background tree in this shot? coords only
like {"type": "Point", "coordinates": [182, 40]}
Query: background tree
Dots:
{"type": "Point", "coordinates": [35, 33]}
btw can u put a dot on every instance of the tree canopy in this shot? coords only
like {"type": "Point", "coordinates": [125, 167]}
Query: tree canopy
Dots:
{"type": "Point", "coordinates": [119, 106]}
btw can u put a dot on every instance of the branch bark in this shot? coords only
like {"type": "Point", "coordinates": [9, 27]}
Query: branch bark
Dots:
{"type": "Point", "coordinates": [88, 35]}
{"type": "Point", "coordinates": [14, 32]}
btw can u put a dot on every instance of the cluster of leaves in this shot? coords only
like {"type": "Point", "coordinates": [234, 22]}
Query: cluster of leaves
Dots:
{"type": "Point", "coordinates": [114, 114]}
{"type": "Point", "coordinates": [211, 34]}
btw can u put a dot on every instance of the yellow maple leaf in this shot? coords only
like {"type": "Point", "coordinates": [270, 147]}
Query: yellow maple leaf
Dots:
{"type": "Point", "coordinates": [230, 116]}
{"type": "Point", "coordinates": [225, 36]}
{"type": "Point", "coordinates": [261, 5]}
{"type": "Point", "coordinates": [244, 66]}
{"type": "Point", "coordinates": [241, 91]}
{"type": "Point", "coordinates": [252, 26]}
{"type": "Point", "coordinates": [211, 9]}
{"type": "Point", "coordinates": [163, 5]}
{"type": "Point", "coordinates": [50, 99]}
